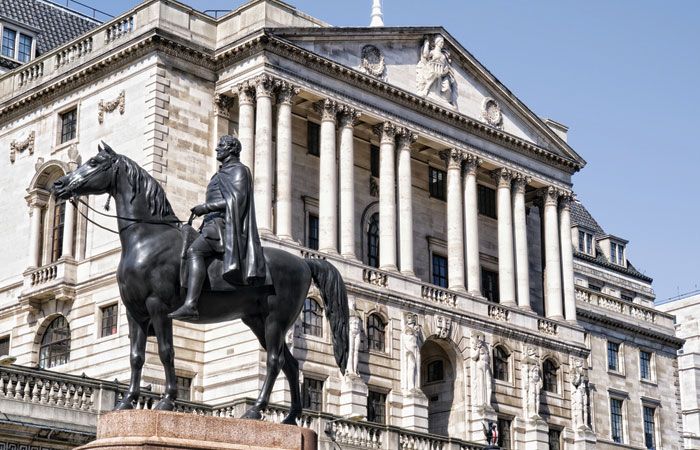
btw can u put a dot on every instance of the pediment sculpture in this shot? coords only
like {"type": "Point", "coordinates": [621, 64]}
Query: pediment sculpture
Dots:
{"type": "Point", "coordinates": [434, 74]}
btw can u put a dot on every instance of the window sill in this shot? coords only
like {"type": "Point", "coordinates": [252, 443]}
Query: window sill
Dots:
{"type": "Point", "coordinates": [617, 373]}
{"type": "Point", "coordinates": [63, 146]}
{"type": "Point", "coordinates": [108, 338]}
{"type": "Point", "coordinates": [648, 382]}
{"type": "Point", "coordinates": [503, 383]}
{"type": "Point", "coordinates": [378, 353]}
{"type": "Point", "coordinates": [553, 395]}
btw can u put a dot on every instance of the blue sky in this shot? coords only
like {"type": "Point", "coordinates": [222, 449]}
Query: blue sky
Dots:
{"type": "Point", "coordinates": [622, 75]}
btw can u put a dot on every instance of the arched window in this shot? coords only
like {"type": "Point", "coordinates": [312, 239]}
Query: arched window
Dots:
{"type": "Point", "coordinates": [375, 333]}
{"type": "Point", "coordinates": [500, 363]}
{"type": "Point", "coordinates": [58, 221]}
{"type": "Point", "coordinates": [312, 319]}
{"type": "Point", "coordinates": [550, 379]}
{"type": "Point", "coordinates": [373, 241]}
{"type": "Point", "coordinates": [55, 344]}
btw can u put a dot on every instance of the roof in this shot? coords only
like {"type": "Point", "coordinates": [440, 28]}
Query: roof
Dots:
{"type": "Point", "coordinates": [580, 217]}
{"type": "Point", "coordinates": [55, 24]}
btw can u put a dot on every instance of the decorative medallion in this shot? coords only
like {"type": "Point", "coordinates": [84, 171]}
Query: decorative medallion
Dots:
{"type": "Point", "coordinates": [442, 326]}
{"type": "Point", "coordinates": [491, 113]}
{"type": "Point", "coordinates": [110, 106]}
{"type": "Point", "coordinates": [372, 62]}
{"type": "Point", "coordinates": [20, 146]}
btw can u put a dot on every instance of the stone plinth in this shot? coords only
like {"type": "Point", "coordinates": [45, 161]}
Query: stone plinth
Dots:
{"type": "Point", "coordinates": [415, 411]}
{"type": "Point", "coordinates": [353, 397]}
{"type": "Point", "coordinates": [163, 430]}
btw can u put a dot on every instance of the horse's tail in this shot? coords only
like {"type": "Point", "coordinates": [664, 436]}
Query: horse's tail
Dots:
{"type": "Point", "coordinates": [332, 287]}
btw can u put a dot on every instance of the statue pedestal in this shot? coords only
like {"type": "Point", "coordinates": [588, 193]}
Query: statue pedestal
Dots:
{"type": "Point", "coordinates": [536, 434]}
{"type": "Point", "coordinates": [353, 397]}
{"type": "Point", "coordinates": [164, 430]}
{"type": "Point", "coordinates": [584, 439]}
{"type": "Point", "coordinates": [415, 411]}
{"type": "Point", "coordinates": [480, 417]}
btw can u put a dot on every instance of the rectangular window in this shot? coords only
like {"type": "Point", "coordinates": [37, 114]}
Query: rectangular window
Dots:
{"type": "Point", "coordinates": [24, 50]}
{"type": "Point", "coordinates": [376, 407]}
{"type": "Point", "coordinates": [645, 365]}
{"type": "Point", "coordinates": [616, 419]}
{"type": "Point", "coordinates": [69, 122]}
{"type": "Point", "coordinates": [313, 138]}
{"type": "Point", "coordinates": [436, 181]}
{"type": "Point", "coordinates": [595, 287]}
{"type": "Point", "coordinates": [487, 201]}
{"type": "Point", "coordinates": [489, 285]}
{"type": "Point", "coordinates": [312, 393]}
{"type": "Point", "coordinates": [109, 320]}
{"type": "Point", "coordinates": [503, 426]}
{"type": "Point", "coordinates": [184, 388]}
{"type": "Point", "coordinates": [613, 356]}
{"type": "Point", "coordinates": [554, 439]}
{"type": "Point", "coordinates": [8, 42]}
{"type": "Point", "coordinates": [439, 270]}
{"type": "Point", "coordinates": [617, 254]}
{"type": "Point", "coordinates": [57, 231]}
{"type": "Point", "coordinates": [585, 242]}
{"type": "Point", "coordinates": [649, 428]}
{"type": "Point", "coordinates": [312, 239]}
{"type": "Point", "coordinates": [627, 298]}
{"type": "Point", "coordinates": [4, 345]}
{"type": "Point", "coordinates": [374, 160]}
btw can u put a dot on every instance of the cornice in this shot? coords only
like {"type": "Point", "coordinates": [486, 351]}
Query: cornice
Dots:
{"type": "Point", "coordinates": [610, 266]}
{"type": "Point", "coordinates": [620, 324]}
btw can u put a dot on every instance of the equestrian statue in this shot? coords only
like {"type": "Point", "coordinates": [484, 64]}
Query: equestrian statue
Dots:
{"type": "Point", "coordinates": [168, 270]}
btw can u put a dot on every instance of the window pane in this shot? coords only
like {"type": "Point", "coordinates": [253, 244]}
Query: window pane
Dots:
{"type": "Point", "coordinates": [554, 439]}
{"type": "Point", "coordinates": [500, 363]}
{"type": "Point", "coordinates": [374, 160]}
{"type": "Point", "coordinates": [55, 344]}
{"type": "Point", "coordinates": [645, 365]}
{"type": "Point", "coordinates": [313, 232]}
{"type": "Point", "coordinates": [8, 42]}
{"type": "Point", "coordinates": [503, 426]}
{"type": "Point", "coordinates": [376, 336]}
{"type": "Point", "coordinates": [184, 388]}
{"type": "Point", "coordinates": [68, 125]}
{"type": "Point", "coordinates": [376, 407]}
{"type": "Point", "coordinates": [613, 353]}
{"type": "Point", "coordinates": [549, 376]}
{"type": "Point", "coordinates": [312, 322]}
{"type": "Point", "coordinates": [489, 285]}
{"type": "Point", "coordinates": [589, 244]}
{"type": "Point", "coordinates": [439, 270]}
{"type": "Point", "coordinates": [312, 394]}
{"type": "Point", "coordinates": [616, 419]}
{"type": "Point", "coordinates": [373, 241]}
{"type": "Point", "coordinates": [436, 371]}
{"type": "Point", "coordinates": [581, 241]}
{"type": "Point", "coordinates": [649, 427]}
{"type": "Point", "coordinates": [59, 215]}
{"type": "Point", "coordinates": [487, 201]}
{"type": "Point", "coordinates": [436, 183]}
{"type": "Point", "coordinates": [109, 320]}
{"type": "Point", "coordinates": [24, 52]}
{"type": "Point", "coordinates": [4, 345]}
{"type": "Point", "coordinates": [313, 138]}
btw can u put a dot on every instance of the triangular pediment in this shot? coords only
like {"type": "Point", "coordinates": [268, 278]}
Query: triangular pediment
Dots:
{"type": "Point", "coordinates": [429, 63]}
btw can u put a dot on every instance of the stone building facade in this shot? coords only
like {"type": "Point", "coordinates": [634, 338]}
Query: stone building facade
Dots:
{"type": "Point", "coordinates": [392, 153]}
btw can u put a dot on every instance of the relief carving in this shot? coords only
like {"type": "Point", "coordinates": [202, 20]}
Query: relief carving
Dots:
{"type": "Point", "coordinates": [411, 342]}
{"type": "Point", "coordinates": [579, 395]}
{"type": "Point", "coordinates": [435, 69]}
{"type": "Point", "coordinates": [491, 113]}
{"type": "Point", "coordinates": [443, 326]}
{"type": "Point", "coordinates": [110, 106]}
{"type": "Point", "coordinates": [372, 62]}
{"type": "Point", "coordinates": [532, 383]}
{"type": "Point", "coordinates": [355, 331]}
{"type": "Point", "coordinates": [20, 146]}
{"type": "Point", "coordinates": [482, 376]}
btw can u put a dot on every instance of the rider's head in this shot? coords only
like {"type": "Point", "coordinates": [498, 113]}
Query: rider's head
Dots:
{"type": "Point", "coordinates": [228, 146]}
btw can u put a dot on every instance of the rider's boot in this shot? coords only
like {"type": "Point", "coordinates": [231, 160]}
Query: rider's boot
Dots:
{"type": "Point", "coordinates": [197, 274]}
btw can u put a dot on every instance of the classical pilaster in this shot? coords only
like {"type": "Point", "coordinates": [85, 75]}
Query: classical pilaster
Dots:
{"type": "Point", "coordinates": [506, 268]}
{"type": "Point", "coordinates": [567, 257]}
{"type": "Point", "coordinates": [68, 231]}
{"type": "Point", "coordinates": [37, 202]}
{"type": "Point", "coordinates": [283, 191]}
{"type": "Point", "coordinates": [328, 181]}
{"type": "Point", "coordinates": [221, 115]}
{"type": "Point", "coordinates": [552, 255]}
{"type": "Point", "coordinates": [455, 225]}
{"type": "Point", "coordinates": [264, 86]}
{"type": "Point", "coordinates": [522, 270]}
{"type": "Point", "coordinates": [348, 119]}
{"type": "Point", "coordinates": [471, 224]}
{"type": "Point", "coordinates": [246, 122]}
{"type": "Point", "coordinates": [387, 198]}
{"type": "Point", "coordinates": [405, 139]}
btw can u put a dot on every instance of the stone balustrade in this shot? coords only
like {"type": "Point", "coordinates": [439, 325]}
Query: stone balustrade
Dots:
{"type": "Point", "coordinates": [374, 277]}
{"type": "Point", "coordinates": [55, 280]}
{"type": "Point", "coordinates": [119, 28]}
{"type": "Point", "coordinates": [30, 74]}
{"type": "Point", "coordinates": [43, 274]}
{"type": "Point", "coordinates": [74, 52]}
{"type": "Point", "coordinates": [586, 296]}
{"type": "Point", "coordinates": [438, 295]}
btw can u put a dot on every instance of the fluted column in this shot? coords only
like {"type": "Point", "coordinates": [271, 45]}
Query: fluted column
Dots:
{"type": "Point", "coordinates": [506, 267]}
{"type": "Point", "coordinates": [328, 183]}
{"type": "Point", "coordinates": [68, 231]}
{"type": "Point", "coordinates": [455, 225]}
{"type": "Point", "coordinates": [552, 255]}
{"type": "Point", "coordinates": [522, 269]}
{"type": "Point", "coordinates": [283, 200]}
{"type": "Point", "coordinates": [348, 119]}
{"type": "Point", "coordinates": [471, 224]}
{"type": "Point", "coordinates": [387, 196]}
{"type": "Point", "coordinates": [263, 153]}
{"type": "Point", "coordinates": [405, 139]}
{"type": "Point", "coordinates": [567, 257]}
{"type": "Point", "coordinates": [36, 204]}
{"type": "Point", "coordinates": [246, 122]}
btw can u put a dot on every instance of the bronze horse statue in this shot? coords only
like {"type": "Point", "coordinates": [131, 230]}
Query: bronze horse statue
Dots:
{"type": "Point", "coordinates": [149, 282]}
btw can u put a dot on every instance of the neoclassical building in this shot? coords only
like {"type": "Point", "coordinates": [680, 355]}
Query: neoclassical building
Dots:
{"type": "Point", "coordinates": [481, 290]}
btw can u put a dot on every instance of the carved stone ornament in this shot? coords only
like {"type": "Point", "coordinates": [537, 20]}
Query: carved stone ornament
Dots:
{"type": "Point", "coordinates": [264, 86]}
{"type": "Point", "coordinates": [372, 62]}
{"type": "Point", "coordinates": [328, 109]}
{"type": "Point", "coordinates": [411, 342]}
{"type": "Point", "coordinates": [373, 186]}
{"type": "Point", "coordinates": [385, 131]}
{"type": "Point", "coordinates": [222, 105]}
{"type": "Point", "coordinates": [110, 106]}
{"type": "Point", "coordinates": [405, 138]}
{"type": "Point", "coordinates": [285, 91]}
{"type": "Point", "coordinates": [434, 72]}
{"type": "Point", "coordinates": [442, 326]}
{"type": "Point", "coordinates": [452, 157]}
{"type": "Point", "coordinates": [482, 376]}
{"type": "Point", "coordinates": [20, 146]}
{"type": "Point", "coordinates": [491, 113]}
{"type": "Point", "coordinates": [348, 116]}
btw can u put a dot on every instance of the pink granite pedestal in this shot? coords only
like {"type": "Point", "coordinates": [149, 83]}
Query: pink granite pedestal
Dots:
{"type": "Point", "coordinates": [163, 430]}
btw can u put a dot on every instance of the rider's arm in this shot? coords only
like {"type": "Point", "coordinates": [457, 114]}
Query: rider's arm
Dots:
{"type": "Point", "coordinates": [216, 206]}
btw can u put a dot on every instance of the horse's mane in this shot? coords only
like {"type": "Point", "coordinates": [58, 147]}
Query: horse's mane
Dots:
{"type": "Point", "coordinates": [142, 181]}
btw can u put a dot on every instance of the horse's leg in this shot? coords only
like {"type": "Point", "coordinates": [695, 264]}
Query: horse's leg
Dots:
{"type": "Point", "coordinates": [163, 327]}
{"type": "Point", "coordinates": [291, 371]}
{"type": "Point", "coordinates": [137, 338]}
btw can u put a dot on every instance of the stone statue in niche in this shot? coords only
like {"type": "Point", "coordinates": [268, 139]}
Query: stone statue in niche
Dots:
{"type": "Point", "coordinates": [372, 62]}
{"type": "Point", "coordinates": [579, 395]}
{"type": "Point", "coordinates": [411, 342]}
{"type": "Point", "coordinates": [532, 383]}
{"type": "Point", "coordinates": [355, 330]}
{"type": "Point", "coordinates": [481, 382]}
{"type": "Point", "coordinates": [434, 72]}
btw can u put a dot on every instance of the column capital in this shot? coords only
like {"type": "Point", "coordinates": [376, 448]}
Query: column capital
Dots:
{"type": "Point", "coordinates": [471, 163]}
{"type": "Point", "coordinates": [245, 92]}
{"type": "Point", "coordinates": [285, 91]}
{"type": "Point", "coordinates": [405, 138]}
{"type": "Point", "coordinates": [503, 177]}
{"type": "Point", "coordinates": [328, 109]}
{"type": "Point", "coordinates": [222, 104]}
{"type": "Point", "coordinates": [520, 182]}
{"type": "Point", "coordinates": [453, 158]}
{"type": "Point", "coordinates": [386, 132]}
{"type": "Point", "coordinates": [264, 86]}
{"type": "Point", "coordinates": [37, 198]}
{"type": "Point", "coordinates": [565, 200]}
{"type": "Point", "coordinates": [348, 116]}
{"type": "Point", "coordinates": [549, 195]}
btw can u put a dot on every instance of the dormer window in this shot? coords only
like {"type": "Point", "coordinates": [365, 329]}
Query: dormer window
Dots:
{"type": "Point", "coordinates": [617, 253]}
{"type": "Point", "coordinates": [585, 242]}
{"type": "Point", "coordinates": [16, 44]}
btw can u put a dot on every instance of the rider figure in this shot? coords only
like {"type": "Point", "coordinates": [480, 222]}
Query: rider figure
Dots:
{"type": "Point", "coordinates": [229, 227]}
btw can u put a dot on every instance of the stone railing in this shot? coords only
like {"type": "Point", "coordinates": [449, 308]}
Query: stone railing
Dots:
{"type": "Point", "coordinates": [547, 327]}
{"type": "Point", "coordinates": [623, 307]}
{"type": "Point", "coordinates": [438, 295]}
{"type": "Point", "coordinates": [119, 28]}
{"type": "Point", "coordinates": [375, 277]}
{"type": "Point", "coordinates": [499, 313]}
{"type": "Point", "coordinates": [417, 442]}
{"type": "Point", "coordinates": [43, 274]}
{"type": "Point", "coordinates": [73, 52]}
{"type": "Point", "coordinates": [356, 434]}
{"type": "Point", "coordinates": [311, 254]}
{"type": "Point", "coordinates": [55, 280]}
{"type": "Point", "coordinates": [31, 73]}
{"type": "Point", "coordinates": [47, 389]}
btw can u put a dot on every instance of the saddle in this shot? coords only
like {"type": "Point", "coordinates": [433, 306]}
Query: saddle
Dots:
{"type": "Point", "coordinates": [215, 280]}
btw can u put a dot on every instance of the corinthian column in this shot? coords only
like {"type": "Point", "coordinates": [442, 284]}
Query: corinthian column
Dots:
{"type": "Point", "coordinates": [405, 138]}
{"type": "Point", "coordinates": [348, 118]}
{"type": "Point", "coordinates": [567, 257]}
{"type": "Point", "coordinates": [455, 225]}
{"type": "Point", "coordinates": [283, 202]}
{"type": "Point", "coordinates": [246, 123]}
{"type": "Point", "coordinates": [263, 153]}
{"type": "Point", "coordinates": [506, 272]}
{"type": "Point", "coordinates": [328, 183]}
{"type": "Point", "coordinates": [522, 270]}
{"type": "Point", "coordinates": [387, 196]}
{"type": "Point", "coordinates": [471, 224]}
{"type": "Point", "coordinates": [552, 256]}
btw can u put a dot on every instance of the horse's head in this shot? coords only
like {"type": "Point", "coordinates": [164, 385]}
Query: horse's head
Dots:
{"type": "Point", "coordinates": [95, 176]}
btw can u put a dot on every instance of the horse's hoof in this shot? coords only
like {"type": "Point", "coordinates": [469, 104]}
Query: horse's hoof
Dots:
{"type": "Point", "coordinates": [165, 404]}
{"type": "Point", "coordinates": [252, 413]}
{"type": "Point", "coordinates": [291, 419]}
{"type": "Point", "coordinates": [123, 405]}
